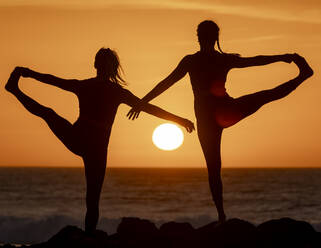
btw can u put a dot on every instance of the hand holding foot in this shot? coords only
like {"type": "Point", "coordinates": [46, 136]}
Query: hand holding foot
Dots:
{"type": "Point", "coordinates": [24, 71]}
{"type": "Point", "coordinates": [305, 70]}
{"type": "Point", "coordinates": [12, 84]}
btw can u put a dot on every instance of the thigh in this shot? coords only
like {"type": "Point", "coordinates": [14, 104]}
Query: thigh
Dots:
{"type": "Point", "coordinates": [234, 110]}
{"type": "Point", "coordinates": [210, 134]}
{"type": "Point", "coordinates": [249, 104]}
{"type": "Point", "coordinates": [64, 131]}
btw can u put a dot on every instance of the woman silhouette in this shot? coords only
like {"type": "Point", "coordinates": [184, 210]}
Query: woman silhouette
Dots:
{"type": "Point", "coordinates": [88, 137]}
{"type": "Point", "coordinates": [214, 108]}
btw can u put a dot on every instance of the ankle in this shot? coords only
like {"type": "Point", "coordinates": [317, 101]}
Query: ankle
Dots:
{"type": "Point", "coordinates": [221, 217]}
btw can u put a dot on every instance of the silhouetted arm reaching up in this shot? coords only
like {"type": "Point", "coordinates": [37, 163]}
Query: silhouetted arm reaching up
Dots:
{"type": "Point", "coordinates": [178, 73]}
{"type": "Point", "coordinates": [132, 100]}
{"type": "Point", "coordinates": [65, 84]}
{"type": "Point", "coordinates": [241, 62]}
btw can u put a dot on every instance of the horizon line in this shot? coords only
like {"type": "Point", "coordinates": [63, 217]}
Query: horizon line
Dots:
{"type": "Point", "coordinates": [114, 167]}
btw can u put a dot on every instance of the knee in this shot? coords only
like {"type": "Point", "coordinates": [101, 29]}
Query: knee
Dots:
{"type": "Point", "coordinates": [215, 179]}
{"type": "Point", "coordinates": [214, 175]}
{"type": "Point", "coordinates": [214, 167]}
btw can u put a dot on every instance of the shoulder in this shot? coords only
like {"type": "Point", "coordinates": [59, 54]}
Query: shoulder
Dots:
{"type": "Point", "coordinates": [231, 56]}
{"type": "Point", "coordinates": [118, 90]}
{"type": "Point", "coordinates": [231, 59]}
{"type": "Point", "coordinates": [126, 96]}
{"type": "Point", "coordinates": [190, 57]}
{"type": "Point", "coordinates": [86, 81]}
{"type": "Point", "coordinates": [116, 86]}
{"type": "Point", "coordinates": [186, 61]}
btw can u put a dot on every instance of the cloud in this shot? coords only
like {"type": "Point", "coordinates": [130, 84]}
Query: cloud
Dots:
{"type": "Point", "coordinates": [288, 14]}
{"type": "Point", "coordinates": [300, 12]}
{"type": "Point", "coordinates": [256, 39]}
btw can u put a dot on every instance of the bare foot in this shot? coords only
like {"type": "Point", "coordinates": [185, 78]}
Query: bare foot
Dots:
{"type": "Point", "coordinates": [12, 84]}
{"type": "Point", "coordinates": [305, 70]}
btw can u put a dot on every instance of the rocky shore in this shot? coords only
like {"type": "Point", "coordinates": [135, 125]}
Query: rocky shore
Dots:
{"type": "Point", "coordinates": [140, 233]}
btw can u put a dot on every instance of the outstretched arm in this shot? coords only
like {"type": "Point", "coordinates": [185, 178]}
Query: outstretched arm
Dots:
{"type": "Point", "coordinates": [179, 72]}
{"type": "Point", "coordinates": [132, 100]}
{"type": "Point", "coordinates": [65, 84]}
{"type": "Point", "coordinates": [241, 62]}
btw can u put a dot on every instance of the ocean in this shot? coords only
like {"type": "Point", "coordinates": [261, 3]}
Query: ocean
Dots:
{"type": "Point", "coordinates": [36, 203]}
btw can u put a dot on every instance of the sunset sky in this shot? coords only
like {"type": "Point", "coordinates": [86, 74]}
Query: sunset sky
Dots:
{"type": "Point", "coordinates": [151, 37]}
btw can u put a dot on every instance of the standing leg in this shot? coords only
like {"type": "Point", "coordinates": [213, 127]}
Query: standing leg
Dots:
{"type": "Point", "coordinates": [247, 105]}
{"type": "Point", "coordinates": [62, 128]}
{"type": "Point", "coordinates": [210, 135]}
{"type": "Point", "coordinates": [95, 167]}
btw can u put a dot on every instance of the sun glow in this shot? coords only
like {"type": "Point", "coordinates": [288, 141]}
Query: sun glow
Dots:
{"type": "Point", "coordinates": [168, 137]}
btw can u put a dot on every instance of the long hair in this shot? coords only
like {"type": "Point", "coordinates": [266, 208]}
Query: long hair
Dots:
{"type": "Point", "coordinates": [107, 60]}
{"type": "Point", "coordinates": [208, 32]}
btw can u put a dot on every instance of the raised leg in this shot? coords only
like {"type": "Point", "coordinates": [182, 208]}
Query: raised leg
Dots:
{"type": "Point", "coordinates": [62, 128]}
{"type": "Point", "coordinates": [210, 138]}
{"type": "Point", "coordinates": [95, 167]}
{"type": "Point", "coordinates": [247, 105]}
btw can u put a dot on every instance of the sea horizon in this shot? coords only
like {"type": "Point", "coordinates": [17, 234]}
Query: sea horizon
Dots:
{"type": "Point", "coordinates": [151, 167]}
{"type": "Point", "coordinates": [36, 202]}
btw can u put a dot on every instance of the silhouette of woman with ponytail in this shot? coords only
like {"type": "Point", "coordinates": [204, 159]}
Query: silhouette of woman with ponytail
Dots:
{"type": "Point", "coordinates": [214, 108]}
{"type": "Point", "coordinates": [88, 137]}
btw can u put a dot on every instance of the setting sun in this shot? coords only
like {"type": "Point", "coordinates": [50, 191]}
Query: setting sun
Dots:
{"type": "Point", "coordinates": [168, 137]}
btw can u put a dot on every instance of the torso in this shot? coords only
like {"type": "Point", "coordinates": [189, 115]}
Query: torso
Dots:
{"type": "Point", "coordinates": [208, 73]}
{"type": "Point", "coordinates": [98, 103]}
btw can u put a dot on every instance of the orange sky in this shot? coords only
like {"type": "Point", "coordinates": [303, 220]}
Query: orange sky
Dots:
{"type": "Point", "coordinates": [150, 38]}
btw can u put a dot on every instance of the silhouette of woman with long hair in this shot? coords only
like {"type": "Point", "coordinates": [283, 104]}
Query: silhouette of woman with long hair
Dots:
{"type": "Point", "coordinates": [88, 137]}
{"type": "Point", "coordinates": [214, 108]}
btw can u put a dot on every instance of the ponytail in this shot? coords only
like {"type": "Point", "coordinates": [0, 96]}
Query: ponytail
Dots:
{"type": "Point", "coordinates": [219, 47]}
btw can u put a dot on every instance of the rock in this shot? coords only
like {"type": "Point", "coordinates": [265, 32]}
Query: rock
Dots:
{"type": "Point", "coordinates": [287, 232]}
{"type": "Point", "coordinates": [7, 246]}
{"type": "Point", "coordinates": [140, 233]}
{"type": "Point", "coordinates": [130, 226]}
{"type": "Point", "coordinates": [207, 229]}
{"type": "Point", "coordinates": [135, 232]}
{"type": "Point", "coordinates": [232, 233]}
{"type": "Point", "coordinates": [71, 236]}
{"type": "Point", "coordinates": [317, 240]}
{"type": "Point", "coordinates": [176, 229]}
{"type": "Point", "coordinates": [175, 234]}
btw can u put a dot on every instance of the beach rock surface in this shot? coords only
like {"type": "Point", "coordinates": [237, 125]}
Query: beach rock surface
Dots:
{"type": "Point", "coordinates": [140, 233]}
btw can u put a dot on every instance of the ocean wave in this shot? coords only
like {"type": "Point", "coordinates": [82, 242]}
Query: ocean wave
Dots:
{"type": "Point", "coordinates": [30, 230]}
